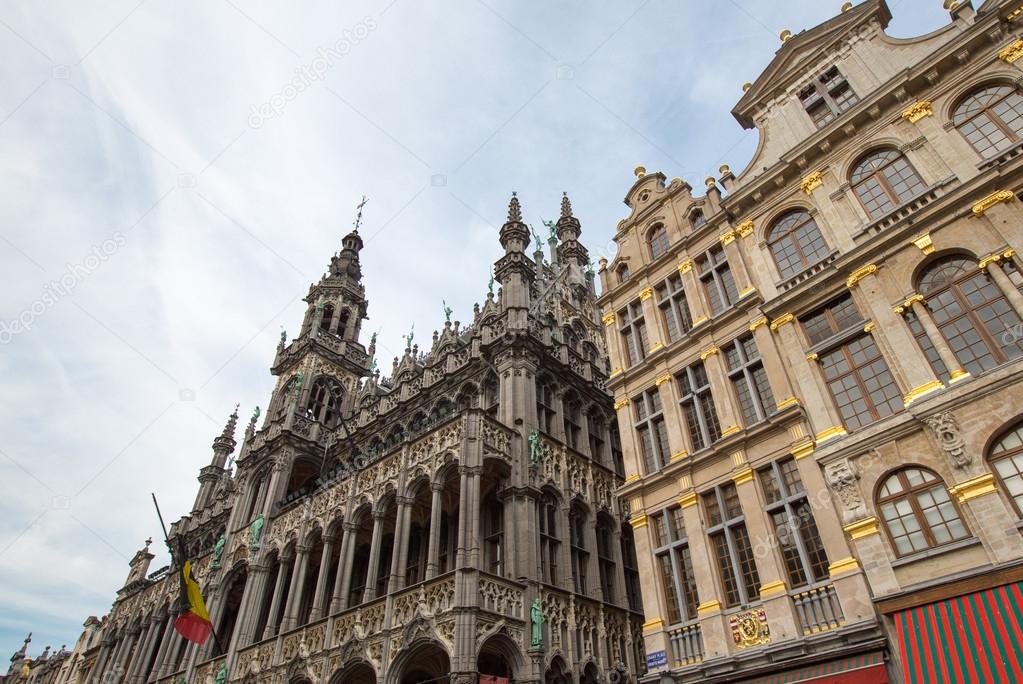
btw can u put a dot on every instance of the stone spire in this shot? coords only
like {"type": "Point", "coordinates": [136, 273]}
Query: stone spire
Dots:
{"type": "Point", "coordinates": [568, 225]}
{"type": "Point", "coordinates": [514, 233]}
{"type": "Point", "coordinates": [226, 438]}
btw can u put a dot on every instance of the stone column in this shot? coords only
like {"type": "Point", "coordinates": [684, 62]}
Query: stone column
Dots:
{"type": "Point", "coordinates": [870, 550]}
{"type": "Point", "coordinates": [101, 661]}
{"type": "Point", "coordinates": [433, 563]}
{"type": "Point", "coordinates": [400, 550]}
{"type": "Point", "coordinates": [463, 498]}
{"type": "Point", "coordinates": [165, 647]}
{"type": "Point", "coordinates": [773, 366]}
{"type": "Point", "coordinates": [342, 569]}
{"type": "Point", "coordinates": [721, 391]}
{"type": "Point", "coordinates": [905, 357]}
{"type": "Point", "coordinates": [275, 602]}
{"type": "Point", "coordinates": [592, 557]}
{"type": "Point", "coordinates": [737, 264]}
{"type": "Point", "coordinates": [656, 333]}
{"type": "Point", "coordinates": [347, 563]}
{"type": "Point", "coordinates": [953, 150]}
{"type": "Point", "coordinates": [948, 357]}
{"type": "Point", "coordinates": [138, 658]}
{"type": "Point", "coordinates": [773, 588]}
{"type": "Point", "coordinates": [631, 454]}
{"type": "Point", "coordinates": [566, 577]}
{"type": "Point", "coordinates": [614, 344]}
{"type": "Point", "coordinates": [654, 636]}
{"type": "Point", "coordinates": [474, 517]}
{"type": "Point", "coordinates": [319, 594]}
{"type": "Point", "coordinates": [694, 293]}
{"type": "Point", "coordinates": [709, 612]}
{"type": "Point", "coordinates": [251, 605]}
{"type": "Point", "coordinates": [374, 556]}
{"type": "Point", "coordinates": [815, 398]}
{"type": "Point", "coordinates": [621, 595]}
{"type": "Point", "coordinates": [993, 266]}
{"type": "Point", "coordinates": [678, 440]}
{"type": "Point", "coordinates": [291, 608]}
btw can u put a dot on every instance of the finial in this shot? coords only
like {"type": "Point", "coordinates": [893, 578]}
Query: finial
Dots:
{"type": "Point", "coordinates": [724, 170]}
{"type": "Point", "coordinates": [358, 216]}
{"type": "Point", "coordinates": [640, 171]}
{"type": "Point", "coordinates": [566, 205]}
{"type": "Point", "coordinates": [232, 423]}
{"type": "Point", "coordinates": [746, 86]}
{"type": "Point", "coordinates": [846, 6]}
{"type": "Point", "coordinates": [710, 182]}
{"type": "Point", "coordinates": [514, 209]}
{"type": "Point", "coordinates": [785, 35]}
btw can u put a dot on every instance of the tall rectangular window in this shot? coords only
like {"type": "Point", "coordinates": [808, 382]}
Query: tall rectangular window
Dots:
{"type": "Point", "coordinates": [633, 332]}
{"type": "Point", "coordinates": [827, 96]}
{"type": "Point", "coordinates": [749, 380]}
{"type": "Point", "coordinates": [632, 590]}
{"type": "Point", "coordinates": [857, 376]}
{"type": "Point", "coordinates": [577, 546]}
{"type": "Point", "coordinates": [730, 543]}
{"type": "Point", "coordinates": [800, 543]}
{"type": "Point", "coordinates": [652, 430]}
{"type": "Point", "coordinates": [698, 406]}
{"type": "Point", "coordinates": [716, 277]}
{"type": "Point", "coordinates": [675, 565]}
{"type": "Point", "coordinates": [671, 300]}
{"type": "Point", "coordinates": [572, 412]}
{"type": "Point", "coordinates": [545, 407]}
{"type": "Point", "coordinates": [550, 542]}
{"type": "Point", "coordinates": [605, 558]}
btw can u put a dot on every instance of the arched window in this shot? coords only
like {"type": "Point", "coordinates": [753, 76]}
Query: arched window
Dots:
{"type": "Point", "coordinates": [342, 322]}
{"type": "Point", "coordinates": [1006, 458]}
{"type": "Point", "coordinates": [658, 239]}
{"type": "Point", "coordinates": [326, 316]}
{"type": "Point", "coordinates": [623, 273]}
{"type": "Point", "coordinates": [697, 219]}
{"type": "Point", "coordinates": [918, 512]}
{"type": "Point", "coordinates": [971, 313]}
{"type": "Point", "coordinates": [325, 401]}
{"type": "Point", "coordinates": [796, 243]}
{"type": "Point", "coordinates": [991, 118]}
{"type": "Point", "coordinates": [550, 541]}
{"type": "Point", "coordinates": [883, 180]}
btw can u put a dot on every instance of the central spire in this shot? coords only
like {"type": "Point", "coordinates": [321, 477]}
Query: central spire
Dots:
{"type": "Point", "coordinates": [514, 233]}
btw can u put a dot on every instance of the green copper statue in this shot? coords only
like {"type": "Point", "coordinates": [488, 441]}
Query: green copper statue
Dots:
{"type": "Point", "coordinates": [553, 227]}
{"type": "Point", "coordinates": [254, 531]}
{"type": "Point", "coordinates": [447, 311]}
{"type": "Point", "coordinates": [490, 285]}
{"type": "Point", "coordinates": [409, 337]}
{"type": "Point", "coordinates": [218, 551]}
{"type": "Point", "coordinates": [536, 619]}
{"type": "Point", "coordinates": [221, 674]}
{"type": "Point", "coordinates": [534, 447]}
{"type": "Point", "coordinates": [537, 238]}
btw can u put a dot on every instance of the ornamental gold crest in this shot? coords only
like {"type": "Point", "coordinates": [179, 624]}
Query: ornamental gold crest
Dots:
{"type": "Point", "coordinates": [750, 628]}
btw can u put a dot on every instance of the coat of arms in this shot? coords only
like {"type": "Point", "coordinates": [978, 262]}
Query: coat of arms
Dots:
{"type": "Point", "coordinates": [750, 628]}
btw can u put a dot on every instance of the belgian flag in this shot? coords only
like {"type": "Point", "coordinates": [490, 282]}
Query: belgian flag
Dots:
{"type": "Point", "coordinates": [193, 621]}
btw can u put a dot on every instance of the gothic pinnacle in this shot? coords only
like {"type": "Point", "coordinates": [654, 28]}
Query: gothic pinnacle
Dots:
{"type": "Point", "coordinates": [566, 205]}
{"type": "Point", "coordinates": [232, 423]}
{"type": "Point", "coordinates": [514, 210]}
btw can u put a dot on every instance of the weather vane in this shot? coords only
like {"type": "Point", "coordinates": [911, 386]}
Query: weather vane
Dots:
{"type": "Point", "coordinates": [358, 217]}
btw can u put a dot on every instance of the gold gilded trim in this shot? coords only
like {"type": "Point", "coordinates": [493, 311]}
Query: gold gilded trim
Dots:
{"type": "Point", "coordinates": [663, 379]}
{"type": "Point", "coordinates": [958, 374]}
{"type": "Point", "coordinates": [812, 182]}
{"type": "Point", "coordinates": [859, 274]}
{"type": "Point", "coordinates": [991, 200]}
{"type": "Point", "coordinates": [639, 521]}
{"type": "Point", "coordinates": [745, 229]}
{"type": "Point", "coordinates": [646, 293]}
{"type": "Point", "coordinates": [743, 476]}
{"type": "Point", "coordinates": [861, 528]}
{"type": "Point", "coordinates": [709, 351]}
{"type": "Point", "coordinates": [748, 291]}
{"type": "Point", "coordinates": [678, 456]}
{"type": "Point", "coordinates": [1011, 52]}
{"type": "Point", "coordinates": [653, 624]}
{"type": "Point", "coordinates": [685, 266]}
{"type": "Point", "coordinates": [782, 320]}
{"type": "Point", "coordinates": [608, 318]}
{"type": "Point", "coordinates": [730, 431]}
{"type": "Point", "coordinates": [655, 347]}
{"type": "Point", "coordinates": [917, 111]}
{"type": "Point", "coordinates": [616, 371]}
{"type": "Point", "coordinates": [803, 449]}
{"type": "Point", "coordinates": [772, 589]}
{"type": "Point", "coordinates": [971, 489]}
{"type": "Point", "coordinates": [921, 391]}
{"type": "Point", "coordinates": [843, 566]}
{"type": "Point", "coordinates": [727, 237]}
{"type": "Point", "coordinates": [699, 321]}
{"type": "Point", "coordinates": [830, 433]}
{"type": "Point", "coordinates": [924, 243]}
{"type": "Point", "coordinates": [812, 356]}
{"type": "Point", "coordinates": [708, 607]}
{"type": "Point", "coordinates": [869, 327]}
{"type": "Point", "coordinates": [757, 323]}
{"type": "Point", "coordinates": [791, 401]}
{"type": "Point", "coordinates": [631, 477]}
{"type": "Point", "coordinates": [624, 401]}
{"type": "Point", "coordinates": [688, 499]}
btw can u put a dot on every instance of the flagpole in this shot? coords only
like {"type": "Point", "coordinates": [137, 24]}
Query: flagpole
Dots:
{"type": "Point", "coordinates": [181, 563]}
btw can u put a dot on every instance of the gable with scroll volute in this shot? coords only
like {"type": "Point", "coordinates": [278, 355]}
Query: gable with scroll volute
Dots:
{"type": "Point", "coordinates": [856, 43]}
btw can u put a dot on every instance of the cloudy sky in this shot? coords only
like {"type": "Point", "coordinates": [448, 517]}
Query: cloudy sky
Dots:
{"type": "Point", "coordinates": [166, 199]}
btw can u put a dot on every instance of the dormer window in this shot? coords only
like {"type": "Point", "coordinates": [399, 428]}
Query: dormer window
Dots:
{"type": "Point", "coordinates": [623, 273]}
{"type": "Point", "coordinates": [827, 96]}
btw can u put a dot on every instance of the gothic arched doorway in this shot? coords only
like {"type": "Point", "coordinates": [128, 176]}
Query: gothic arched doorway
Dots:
{"type": "Point", "coordinates": [499, 657]}
{"type": "Point", "coordinates": [359, 672]}
{"type": "Point", "coordinates": [424, 663]}
{"type": "Point", "coordinates": [590, 675]}
{"type": "Point", "coordinates": [557, 672]}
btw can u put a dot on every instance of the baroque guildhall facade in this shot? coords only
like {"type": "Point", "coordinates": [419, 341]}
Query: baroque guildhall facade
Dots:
{"type": "Point", "coordinates": [454, 520]}
{"type": "Point", "coordinates": [817, 364]}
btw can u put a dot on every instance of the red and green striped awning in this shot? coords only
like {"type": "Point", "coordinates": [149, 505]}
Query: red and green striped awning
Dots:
{"type": "Point", "coordinates": [975, 638]}
{"type": "Point", "coordinates": [867, 668]}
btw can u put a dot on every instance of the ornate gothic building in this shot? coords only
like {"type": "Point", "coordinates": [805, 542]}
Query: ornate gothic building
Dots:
{"type": "Point", "coordinates": [817, 368]}
{"type": "Point", "coordinates": [454, 519]}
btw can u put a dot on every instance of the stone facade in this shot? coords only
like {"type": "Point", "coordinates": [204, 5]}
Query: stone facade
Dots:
{"type": "Point", "coordinates": [465, 502]}
{"type": "Point", "coordinates": [816, 363]}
